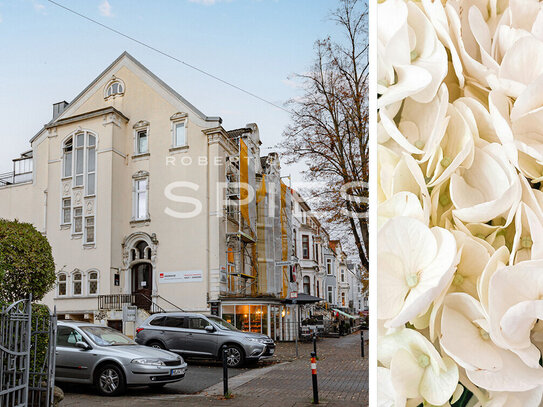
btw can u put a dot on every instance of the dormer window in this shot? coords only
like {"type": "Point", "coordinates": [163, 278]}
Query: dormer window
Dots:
{"type": "Point", "coordinates": [114, 87]}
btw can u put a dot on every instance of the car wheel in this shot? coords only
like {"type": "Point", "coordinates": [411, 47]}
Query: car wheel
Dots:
{"type": "Point", "coordinates": [110, 380]}
{"type": "Point", "coordinates": [234, 356]}
{"type": "Point", "coordinates": [156, 345]}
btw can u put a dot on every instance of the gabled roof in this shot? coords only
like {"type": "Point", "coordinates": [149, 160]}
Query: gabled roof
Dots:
{"type": "Point", "coordinates": [153, 76]}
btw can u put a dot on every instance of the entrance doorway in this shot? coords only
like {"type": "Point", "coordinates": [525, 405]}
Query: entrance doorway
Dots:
{"type": "Point", "coordinates": [142, 284]}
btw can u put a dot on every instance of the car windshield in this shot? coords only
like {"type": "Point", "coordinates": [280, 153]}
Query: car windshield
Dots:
{"type": "Point", "coordinates": [105, 336]}
{"type": "Point", "coordinates": [223, 324]}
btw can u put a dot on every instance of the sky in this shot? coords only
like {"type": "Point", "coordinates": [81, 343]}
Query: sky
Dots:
{"type": "Point", "coordinates": [48, 55]}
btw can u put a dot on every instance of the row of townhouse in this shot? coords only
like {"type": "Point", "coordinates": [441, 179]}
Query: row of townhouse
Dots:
{"type": "Point", "coordinates": [149, 205]}
{"type": "Point", "coordinates": [323, 267]}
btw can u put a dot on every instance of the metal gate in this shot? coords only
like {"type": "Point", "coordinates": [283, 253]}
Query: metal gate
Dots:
{"type": "Point", "coordinates": [27, 355]}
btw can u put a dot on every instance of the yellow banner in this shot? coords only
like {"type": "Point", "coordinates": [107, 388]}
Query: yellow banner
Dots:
{"type": "Point", "coordinates": [261, 193]}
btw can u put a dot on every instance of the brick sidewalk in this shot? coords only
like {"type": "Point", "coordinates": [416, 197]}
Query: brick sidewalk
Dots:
{"type": "Point", "coordinates": [342, 377]}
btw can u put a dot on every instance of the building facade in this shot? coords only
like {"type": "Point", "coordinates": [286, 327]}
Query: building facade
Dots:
{"type": "Point", "coordinates": [145, 203]}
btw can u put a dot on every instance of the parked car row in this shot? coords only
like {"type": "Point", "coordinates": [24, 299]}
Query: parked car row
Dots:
{"type": "Point", "coordinates": [103, 356]}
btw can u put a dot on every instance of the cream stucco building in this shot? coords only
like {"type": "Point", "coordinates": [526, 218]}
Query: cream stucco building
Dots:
{"type": "Point", "coordinates": [131, 184]}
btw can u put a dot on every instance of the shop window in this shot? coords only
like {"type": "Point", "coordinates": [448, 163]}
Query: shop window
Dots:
{"type": "Point", "coordinates": [242, 317]}
{"type": "Point", "coordinates": [228, 314]}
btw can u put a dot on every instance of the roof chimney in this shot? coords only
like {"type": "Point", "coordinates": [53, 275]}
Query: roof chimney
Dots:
{"type": "Point", "coordinates": [58, 108]}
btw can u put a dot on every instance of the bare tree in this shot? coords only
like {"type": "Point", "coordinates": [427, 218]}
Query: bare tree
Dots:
{"type": "Point", "coordinates": [329, 125]}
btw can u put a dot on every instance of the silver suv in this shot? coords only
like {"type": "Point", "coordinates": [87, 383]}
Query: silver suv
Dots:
{"type": "Point", "coordinates": [88, 353]}
{"type": "Point", "coordinates": [198, 335]}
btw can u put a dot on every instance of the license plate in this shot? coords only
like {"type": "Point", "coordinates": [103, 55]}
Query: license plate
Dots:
{"type": "Point", "coordinates": [272, 351]}
{"type": "Point", "coordinates": [176, 372]}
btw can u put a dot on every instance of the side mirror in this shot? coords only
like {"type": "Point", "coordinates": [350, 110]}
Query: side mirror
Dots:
{"type": "Point", "coordinates": [83, 345]}
{"type": "Point", "coordinates": [210, 328]}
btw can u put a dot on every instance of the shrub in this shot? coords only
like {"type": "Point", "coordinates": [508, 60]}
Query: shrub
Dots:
{"type": "Point", "coordinates": [26, 262]}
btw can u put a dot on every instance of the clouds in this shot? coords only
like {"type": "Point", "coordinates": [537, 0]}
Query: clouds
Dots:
{"type": "Point", "coordinates": [105, 9]}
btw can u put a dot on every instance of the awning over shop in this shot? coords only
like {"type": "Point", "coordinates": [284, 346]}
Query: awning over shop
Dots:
{"type": "Point", "coordinates": [302, 299]}
{"type": "Point", "coordinates": [345, 314]}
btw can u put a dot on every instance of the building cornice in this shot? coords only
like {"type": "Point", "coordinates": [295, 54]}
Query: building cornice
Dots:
{"type": "Point", "coordinates": [88, 115]}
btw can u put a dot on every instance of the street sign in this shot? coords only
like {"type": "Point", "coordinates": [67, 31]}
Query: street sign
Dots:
{"type": "Point", "coordinates": [129, 313]}
{"type": "Point", "coordinates": [294, 294]}
{"type": "Point", "coordinates": [284, 263]}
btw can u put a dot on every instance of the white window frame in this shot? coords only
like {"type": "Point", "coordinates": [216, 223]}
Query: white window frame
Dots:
{"type": "Point", "coordinates": [174, 133]}
{"type": "Point", "coordinates": [135, 198]}
{"type": "Point", "coordinates": [86, 227]}
{"type": "Point", "coordinates": [109, 85]}
{"type": "Point", "coordinates": [89, 280]}
{"type": "Point", "coordinates": [74, 232]}
{"type": "Point", "coordinates": [87, 172]}
{"type": "Point", "coordinates": [342, 276]}
{"type": "Point", "coordinates": [330, 294]}
{"type": "Point", "coordinates": [76, 149]}
{"type": "Point", "coordinates": [74, 281]}
{"type": "Point", "coordinates": [138, 140]}
{"type": "Point", "coordinates": [63, 210]}
{"type": "Point", "coordinates": [65, 283]}
{"type": "Point", "coordinates": [64, 148]}
{"type": "Point", "coordinates": [329, 267]}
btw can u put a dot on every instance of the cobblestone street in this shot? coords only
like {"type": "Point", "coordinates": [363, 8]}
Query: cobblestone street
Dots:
{"type": "Point", "coordinates": [342, 380]}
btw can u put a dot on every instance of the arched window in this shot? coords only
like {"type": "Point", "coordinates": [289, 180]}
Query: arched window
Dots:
{"type": "Point", "coordinates": [307, 285]}
{"type": "Point", "coordinates": [77, 283]}
{"type": "Point", "coordinates": [92, 282]}
{"type": "Point", "coordinates": [67, 150]}
{"type": "Point", "coordinates": [114, 87]}
{"type": "Point", "coordinates": [143, 250]}
{"type": "Point", "coordinates": [62, 284]}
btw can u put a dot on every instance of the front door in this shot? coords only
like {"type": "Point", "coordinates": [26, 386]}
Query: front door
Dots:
{"type": "Point", "coordinates": [142, 284]}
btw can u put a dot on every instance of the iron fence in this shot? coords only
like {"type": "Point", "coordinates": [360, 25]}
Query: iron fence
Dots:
{"type": "Point", "coordinates": [27, 355]}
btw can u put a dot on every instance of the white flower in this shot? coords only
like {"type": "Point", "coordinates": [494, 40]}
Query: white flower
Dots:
{"type": "Point", "coordinates": [412, 61]}
{"type": "Point", "coordinates": [415, 265]}
{"type": "Point", "coordinates": [417, 370]}
{"type": "Point", "coordinates": [400, 204]}
{"type": "Point", "coordinates": [465, 336]}
{"type": "Point", "coordinates": [489, 189]}
{"type": "Point", "coordinates": [502, 49]}
{"type": "Point", "coordinates": [514, 306]}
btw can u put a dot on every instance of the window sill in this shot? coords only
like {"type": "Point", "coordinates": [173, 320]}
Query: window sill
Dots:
{"type": "Point", "coordinates": [65, 226]}
{"type": "Point", "coordinates": [178, 149]}
{"type": "Point", "coordinates": [90, 196]}
{"type": "Point", "coordinates": [89, 245]}
{"type": "Point", "coordinates": [77, 187]}
{"type": "Point", "coordinates": [136, 222]}
{"type": "Point", "coordinates": [139, 156]}
{"type": "Point", "coordinates": [77, 236]}
{"type": "Point", "coordinates": [65, 178]}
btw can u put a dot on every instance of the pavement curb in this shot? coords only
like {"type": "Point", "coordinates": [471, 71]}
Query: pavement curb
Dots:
{"type": "Point", "coordinates": [239, 380]}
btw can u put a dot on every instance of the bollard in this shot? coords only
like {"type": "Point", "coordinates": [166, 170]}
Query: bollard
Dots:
{"type": "Point", "coordinates": [314, 376]}
{"type": "Point", "coordinates": [225, 372]}
{"type": "Point", "coordinates": [362, 342]}
{"type": "Point", "coordinates": [315, 343]}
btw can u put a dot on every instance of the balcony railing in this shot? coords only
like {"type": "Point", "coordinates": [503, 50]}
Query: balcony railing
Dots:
{"type": "Point", "coordinates": [22, 172]}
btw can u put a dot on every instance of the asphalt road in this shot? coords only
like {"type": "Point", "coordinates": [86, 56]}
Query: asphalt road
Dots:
{"type": "Point", "coordinates": [200, 375]}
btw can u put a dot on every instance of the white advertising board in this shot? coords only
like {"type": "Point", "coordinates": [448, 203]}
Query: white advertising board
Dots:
{"type": "Point", "coordinates": [188, 276]}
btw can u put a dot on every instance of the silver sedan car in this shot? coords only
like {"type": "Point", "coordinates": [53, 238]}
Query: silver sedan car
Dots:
{"type": "Point", "coordinates": [87, 353]}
